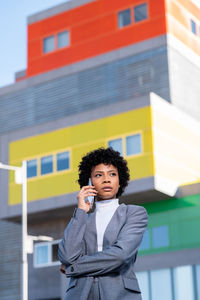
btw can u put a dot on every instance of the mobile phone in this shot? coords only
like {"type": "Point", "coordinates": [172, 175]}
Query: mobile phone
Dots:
{"type": "Point", "coordinates": [90, 199]}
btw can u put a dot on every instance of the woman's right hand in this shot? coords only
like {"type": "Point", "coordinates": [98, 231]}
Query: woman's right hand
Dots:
{"type": "Point", "coordinates": [86, 191]}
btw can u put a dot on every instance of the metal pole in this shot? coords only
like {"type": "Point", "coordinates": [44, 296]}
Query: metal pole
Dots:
{"type": "Point", "coordinates": [24, 233]}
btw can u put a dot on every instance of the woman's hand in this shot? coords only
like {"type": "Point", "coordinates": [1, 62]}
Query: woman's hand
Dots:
{"type": "Point", "coordinates": [86, 191]}
{"type": "Point", "coordinates": [62, 269]}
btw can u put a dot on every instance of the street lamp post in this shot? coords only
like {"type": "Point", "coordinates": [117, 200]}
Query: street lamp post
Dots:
{"type": "Point", "coordinates": [21, 178]}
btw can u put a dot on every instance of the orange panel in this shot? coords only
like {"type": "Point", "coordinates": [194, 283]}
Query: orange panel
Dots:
{"type": "Point", "coordinates": [93, 31]}
{"type": "Point", "coordinates": [178, 23]}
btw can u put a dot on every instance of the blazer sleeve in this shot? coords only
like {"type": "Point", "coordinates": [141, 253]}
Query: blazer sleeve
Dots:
{"type": "Point", "coordinates": [116, 255]}
{"type": "Point", "coordinates": [71, 247]}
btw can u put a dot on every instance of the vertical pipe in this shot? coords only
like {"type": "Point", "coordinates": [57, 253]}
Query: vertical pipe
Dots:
{"type": "Point", "coordinates": [24, 233]}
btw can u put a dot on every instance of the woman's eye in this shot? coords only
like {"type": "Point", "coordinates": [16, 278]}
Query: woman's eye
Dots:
{"type": "Point", "coordinates": [97, 175]}
{"type": "Point", "coordinates": [113, 174]}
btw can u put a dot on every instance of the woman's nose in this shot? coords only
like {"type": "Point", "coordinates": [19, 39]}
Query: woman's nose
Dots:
{"type": "Point", "coordinates": [106, 179]}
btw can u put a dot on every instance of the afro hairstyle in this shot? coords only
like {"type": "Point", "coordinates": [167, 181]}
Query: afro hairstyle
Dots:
{"type": "Point", "coordinates": [107, 156]}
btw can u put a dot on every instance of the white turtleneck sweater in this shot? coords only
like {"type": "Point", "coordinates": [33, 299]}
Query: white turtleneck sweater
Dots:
{"type": "Point", "coordinates": [105, 209]}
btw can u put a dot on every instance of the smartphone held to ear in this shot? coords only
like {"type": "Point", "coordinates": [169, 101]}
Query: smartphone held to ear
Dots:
{"type": "Point", "coordinates": [90, 199]}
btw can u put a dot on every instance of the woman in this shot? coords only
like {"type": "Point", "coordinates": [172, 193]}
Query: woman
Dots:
{"type": "Point", "coordinates": [99, 249]}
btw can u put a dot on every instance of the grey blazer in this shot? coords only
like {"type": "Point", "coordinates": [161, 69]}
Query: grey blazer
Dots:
{"type": "Point", "coordinates": [113, 266]}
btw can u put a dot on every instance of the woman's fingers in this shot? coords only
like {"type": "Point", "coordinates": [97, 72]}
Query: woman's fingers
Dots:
{"type": "Point", "coordinates": [86, 191]}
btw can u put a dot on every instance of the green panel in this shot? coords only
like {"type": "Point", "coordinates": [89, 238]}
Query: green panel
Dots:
{"type": "Point", "coordinates": [182, 216]}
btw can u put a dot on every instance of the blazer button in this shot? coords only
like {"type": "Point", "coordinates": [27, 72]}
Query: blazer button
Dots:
{"type": "Point", "coordinates": [72, 269]}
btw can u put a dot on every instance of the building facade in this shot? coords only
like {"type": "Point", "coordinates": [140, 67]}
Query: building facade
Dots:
{"type": "Point", "coordinates": [113, 73]}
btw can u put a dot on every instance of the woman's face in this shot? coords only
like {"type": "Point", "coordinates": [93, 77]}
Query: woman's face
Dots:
{"type": "Point", "coordinates": [105, 179]}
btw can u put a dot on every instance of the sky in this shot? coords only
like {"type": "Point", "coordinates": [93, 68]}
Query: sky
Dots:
{"type": "Point", "coordinates": [13, 34]}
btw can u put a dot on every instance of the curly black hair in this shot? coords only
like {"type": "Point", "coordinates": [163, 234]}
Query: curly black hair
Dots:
{"type": "Point", "coordinates": [107, 156]}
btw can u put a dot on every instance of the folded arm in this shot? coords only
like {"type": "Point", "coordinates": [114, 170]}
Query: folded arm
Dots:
{"type": "Point", "coordinates": [116, 255]}
{"type": "Point", "coordinates": [71, 247]}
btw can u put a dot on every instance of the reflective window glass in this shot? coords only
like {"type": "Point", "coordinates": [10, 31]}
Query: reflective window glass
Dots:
{"type": "Point", "coordinates": [31, 168]}
{"type": "Point", "coordinates": [133, 144]}
{"type": "Point", "coordinates": [63, 39]}
{"type": "Point", "coordinates": [145, 241]}
{"type": "Point", "coordinates": [47, 164]}
{"type": "Point", "coordinates": [183, 283]}
{"type": "Point", "coordinates": [143, 284]}
{"type": "Point", "coordinates": [48, 44]}
{"type": "Point", "coordinates": [193, 27]}
{"type": "Point", "coordinates": [62, 161]}
{"type": "Point", "coordinates": [140, 12]}
{"type": "Point", "coordinates": [160, 236]}
{"type": "Point", "coordinates": [161, 281]}
{"type": "Point", "coordinates": [124, 18]}
{"type": "Point", "coordinates": [41, 254]}
{"type": "Point", "coordinates": [116, 145]}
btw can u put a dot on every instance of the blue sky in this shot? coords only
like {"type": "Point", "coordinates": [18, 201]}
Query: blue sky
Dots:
{"type": "Point", "coordinates": [13, 19]}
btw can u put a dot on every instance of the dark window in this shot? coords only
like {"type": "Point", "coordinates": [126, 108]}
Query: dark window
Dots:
{"type": "Point", "coordinates": [54, 252]}
{"type": "Point", "coordinates": [32, 168]}
{"type": "Point", "coordinates": [48, 44]}
{"type": "Point", "coordinates": [140, 12]}
{"type": "Point", "coordinates": [47, 164]}
{"type": "Point", "coordinates": [124, 18]}
{"type": "Point", "coordinates": [193, 27]}
{"type": "Point", "coordinates": [62, 161]}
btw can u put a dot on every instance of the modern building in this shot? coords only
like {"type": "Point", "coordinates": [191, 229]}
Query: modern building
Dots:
{"type": "Point", "coordinates": [106, 73]}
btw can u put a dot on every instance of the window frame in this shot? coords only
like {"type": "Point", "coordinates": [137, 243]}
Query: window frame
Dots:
{"type": "Point", "coordinates": [55, 35]}
{"type": "Point", "coordinates": [194, 25]}
{"type": "Point", "coordinates": [123, 137]}
{"type": "Point", "coordinates": [43, 46]}
{"type": "Point", "coordinates": [50, 263]}
{"type": "Point", "coordinates": [139, 4]}
{"type": "Point", "coordinates": [132, 14]}
{"type": "Point", "coordinates": [131, 17]}
{"type": "Point", "coordinates": [55, 171]}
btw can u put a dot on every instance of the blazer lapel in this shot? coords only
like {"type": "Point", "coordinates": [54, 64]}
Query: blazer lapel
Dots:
{"type": "Point", "coordinates": [114, 226]}
{"type": "Point", "coordinates": [91, 234]}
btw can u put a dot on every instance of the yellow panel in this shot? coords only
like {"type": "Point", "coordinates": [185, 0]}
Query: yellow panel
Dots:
{"type": "Point", "coordinates": [80, 139]}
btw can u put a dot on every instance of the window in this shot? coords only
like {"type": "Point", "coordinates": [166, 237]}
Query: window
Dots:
{"type": "Point", "coordinates": [47, 164]}
{"type": "Point", "coordinates": [124, 18]}
{"type": "Point", "coordinates": [116, 145]}
{"type": "Point", "coordinates": [140, 12]}
{"type": "Point", "coordinates": [62, 161]}
{"type": "Point", "coordinates": [133, 144]}
{"type": "Point", "coordinates": [161, 281]}
{"type": "Point", "coordinates": [193, 27]}
{"type": "Point", "coordinates": [178, 283]}
{"type": "Point", "coordinates": [31, 168]}
{"type": "Point", "coordinates": [45, 254]}
{"type": "Point", "coordinates": [48, 44]}
{"type": "Point", "coordinates": [63, 39]}
{"type": "Point", "coordinates": [183, 277]}
{"type": "Point", "coordinates": [160, 236]}
{"type": "Point", "coordinates": [41, 254]}
{"type": "Point", "coordinates": [145, 241]}
{"type": "Point", "coordinates": [143, 281]}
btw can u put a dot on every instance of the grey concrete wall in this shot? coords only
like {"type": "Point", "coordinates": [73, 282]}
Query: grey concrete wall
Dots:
{"type": "Point", "coordinates": [184, 79]}
{"type": "Point", "coordinates": [10, 261]}
{"type": "Point", "coordinates": [47, 282]}
{"type": "Point", "coordinates": [117, 81]}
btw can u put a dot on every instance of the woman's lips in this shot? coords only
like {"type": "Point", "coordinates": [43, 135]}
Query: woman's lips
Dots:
{"type": "Point", "coordinates": [107, 189]}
